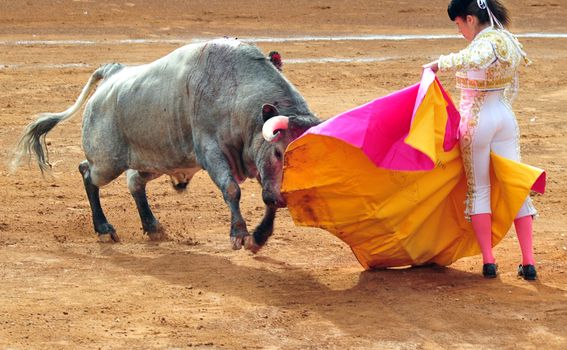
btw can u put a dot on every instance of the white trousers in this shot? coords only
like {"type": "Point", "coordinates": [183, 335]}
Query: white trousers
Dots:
{"type": "Point", "coordinates": [487, 124]}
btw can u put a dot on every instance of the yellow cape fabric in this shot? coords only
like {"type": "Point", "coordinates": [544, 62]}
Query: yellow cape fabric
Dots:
{"type": "Point", "coordinates": [398, 218]}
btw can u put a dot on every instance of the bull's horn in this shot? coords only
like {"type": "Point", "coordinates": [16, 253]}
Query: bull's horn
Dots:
{"type": "Point", "coordinates": [271, 127]}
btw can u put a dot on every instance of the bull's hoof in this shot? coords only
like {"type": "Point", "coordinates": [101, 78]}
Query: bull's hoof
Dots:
{"type": "Point", "coordinates": [238, 242]}
{"type": "Point", "coordinates": [251, 245]}
{"type": "Point", "coordinates": [157, 236]}
{"type": "Point", "coordinates": [106, 233]}
{"type": "Point", "coordinates": [110, 237]}
{"type": "Point", "coordinates": [151, 226]}
{"type": "Point", "coordinates": [155, 231]}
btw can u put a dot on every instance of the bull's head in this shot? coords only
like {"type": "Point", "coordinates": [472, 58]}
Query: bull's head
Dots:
{"type": "Point", "coordinates": [278, 131]}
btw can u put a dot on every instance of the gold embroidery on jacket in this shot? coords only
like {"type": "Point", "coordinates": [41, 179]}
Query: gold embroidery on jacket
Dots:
{"type": "Point", "coordinates": [494, 52]}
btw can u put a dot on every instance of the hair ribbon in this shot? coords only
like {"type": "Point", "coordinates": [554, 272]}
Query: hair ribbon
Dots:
{"type": "Point", "coordinates": [483, 5]}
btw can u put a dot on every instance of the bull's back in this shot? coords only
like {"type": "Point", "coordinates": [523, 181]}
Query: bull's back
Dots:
{"type": "Point", "coordinates": [142, 113]}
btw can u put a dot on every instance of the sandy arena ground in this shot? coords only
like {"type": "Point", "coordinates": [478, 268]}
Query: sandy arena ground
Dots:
{"type": "Point", "coordinates": [62, 289]}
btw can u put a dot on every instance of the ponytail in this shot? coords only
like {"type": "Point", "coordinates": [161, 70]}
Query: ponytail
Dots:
{"type": "Point", "coordinates": [464, 8]}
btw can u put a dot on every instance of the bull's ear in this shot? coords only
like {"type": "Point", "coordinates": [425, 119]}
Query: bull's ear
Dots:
{"type": "Point", "coordinates": [269, 111]}
{"type": "Point", "coordinates": [276, 60]}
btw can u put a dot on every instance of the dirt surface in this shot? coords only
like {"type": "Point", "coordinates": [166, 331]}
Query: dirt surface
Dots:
{"type": "Point", "coordinates": [62, 289]}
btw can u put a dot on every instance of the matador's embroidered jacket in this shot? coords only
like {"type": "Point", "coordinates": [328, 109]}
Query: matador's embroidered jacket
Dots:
{"type": "Point", "coordinates": [490, 62]}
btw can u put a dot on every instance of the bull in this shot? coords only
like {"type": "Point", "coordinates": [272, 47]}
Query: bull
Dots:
{"type": "Point", "coordinates": [220, 106]}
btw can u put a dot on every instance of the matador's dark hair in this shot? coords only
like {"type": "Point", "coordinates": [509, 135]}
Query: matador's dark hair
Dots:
{"type": "Point", "coordinates": [463, 8]}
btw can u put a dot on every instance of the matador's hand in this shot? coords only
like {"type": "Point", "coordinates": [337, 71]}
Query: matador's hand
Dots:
{"type": "Point", "coordinates": [434, 66]}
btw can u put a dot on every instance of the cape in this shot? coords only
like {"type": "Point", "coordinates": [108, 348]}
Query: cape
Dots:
{"type": "Point", "coordinates": [387, 178]}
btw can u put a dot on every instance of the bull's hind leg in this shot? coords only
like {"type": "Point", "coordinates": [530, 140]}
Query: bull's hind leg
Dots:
{"type": "Point", "coordinates": [101, 224]}
{"type": "Point", "coordinates": [137, 185]}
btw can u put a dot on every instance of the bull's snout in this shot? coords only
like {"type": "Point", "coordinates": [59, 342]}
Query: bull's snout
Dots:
{"type": "Point", "coordinates": [271, 199]}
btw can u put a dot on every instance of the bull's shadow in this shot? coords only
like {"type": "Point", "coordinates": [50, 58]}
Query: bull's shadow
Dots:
{"type": "Point", "coordinates": [426, 300]}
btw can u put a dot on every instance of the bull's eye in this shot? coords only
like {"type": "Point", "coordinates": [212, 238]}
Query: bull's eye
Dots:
{"type": "Point", "coordinates": [278, 154]}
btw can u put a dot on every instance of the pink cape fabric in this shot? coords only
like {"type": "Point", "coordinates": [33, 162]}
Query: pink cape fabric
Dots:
{"type": "Point", "coordinates": [388, 119]}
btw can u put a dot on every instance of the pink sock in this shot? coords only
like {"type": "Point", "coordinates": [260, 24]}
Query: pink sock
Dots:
{"type": "Point", "coordinates": [482, 226]}
{"type": "Point", "coordinates": [524, 231]}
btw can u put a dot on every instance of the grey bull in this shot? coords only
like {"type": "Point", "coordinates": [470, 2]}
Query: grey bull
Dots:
{"type": "Point", "coordinates": [220, 106]}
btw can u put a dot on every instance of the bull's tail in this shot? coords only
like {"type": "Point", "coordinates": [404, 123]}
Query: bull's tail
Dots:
{"type": "Point", "coordinates": [32, 142]}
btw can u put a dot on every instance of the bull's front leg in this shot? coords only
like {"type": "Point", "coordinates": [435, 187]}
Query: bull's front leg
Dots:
{"type": "Point", "coordinates": [219, 170]}
{"type": "Point", "coordinates": [264, 230]}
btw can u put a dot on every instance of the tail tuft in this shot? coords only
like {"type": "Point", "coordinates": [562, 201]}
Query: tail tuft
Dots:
{"type": "Point", "coordinates": [33, 142]}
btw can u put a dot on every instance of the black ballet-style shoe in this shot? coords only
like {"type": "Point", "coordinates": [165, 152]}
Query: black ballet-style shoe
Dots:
{"type": "Point", "coordinates": [527, 272]}
{"type": "Point", "coordinates": [489, 270]}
